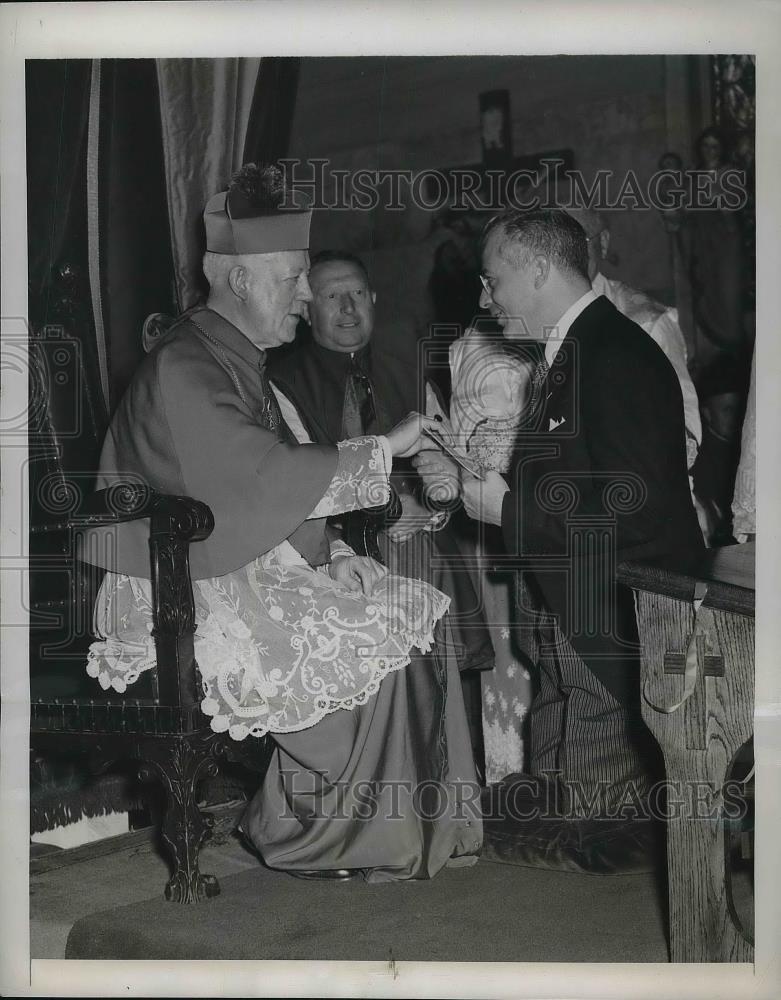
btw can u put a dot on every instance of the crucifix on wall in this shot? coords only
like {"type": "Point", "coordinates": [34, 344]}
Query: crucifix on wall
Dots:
{"type": "Point", "coordinates": [501, 177]}
{"type": "Point", "coordinates": [495, 128]}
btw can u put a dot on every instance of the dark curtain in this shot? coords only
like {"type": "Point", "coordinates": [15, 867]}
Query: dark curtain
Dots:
{"type": "Point", "coordinates": [273, 105]}
{"type": "Point", "coordinates": [135, 254]}
{"type": "Point", "coordinates": [57, 93]}
{"type": "Point", "coordinates": [136, 266]}
{"type": "Point", "coordinates": [136, 262]}
{"type": "Point", "coordinates": [66, 413]}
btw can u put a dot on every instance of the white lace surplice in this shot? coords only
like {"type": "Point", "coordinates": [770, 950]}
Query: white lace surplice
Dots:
{"type": "Point", "coordinates": [278, 644]}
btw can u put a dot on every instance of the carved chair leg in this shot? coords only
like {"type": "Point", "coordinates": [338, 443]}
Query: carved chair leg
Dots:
{"type": "Point", "coordinates": [180, 765]}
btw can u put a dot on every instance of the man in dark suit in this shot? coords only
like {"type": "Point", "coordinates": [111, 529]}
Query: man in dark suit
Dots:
{"type": "Point", "coordinates": [599, 476]}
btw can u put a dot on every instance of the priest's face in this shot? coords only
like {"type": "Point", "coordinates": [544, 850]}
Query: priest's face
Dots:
{"type": "Point", "coordinates": [276, 294]}
{"type": "Point", "coordinates": [342, 309]}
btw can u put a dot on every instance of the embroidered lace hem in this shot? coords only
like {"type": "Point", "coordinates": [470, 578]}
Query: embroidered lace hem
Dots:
{"type": "Point", "coordinates": [277, 647]}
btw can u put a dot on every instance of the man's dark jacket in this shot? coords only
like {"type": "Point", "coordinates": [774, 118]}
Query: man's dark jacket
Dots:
{"type": "Point", "coordinates": [599, 476]}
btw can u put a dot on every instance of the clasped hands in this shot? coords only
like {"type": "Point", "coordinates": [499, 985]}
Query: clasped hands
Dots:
{"type": "Point", "coordinates": [444, 481]}
{"type": "Point", "coordinates": [407, 437]}
{"type": "Point", "coordinates": [442, 477]}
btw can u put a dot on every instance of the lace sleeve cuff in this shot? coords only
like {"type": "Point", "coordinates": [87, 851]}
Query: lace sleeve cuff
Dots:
{"type": "Point", "coordinates": [340, 548]}
{"type": "Point", "coordinates": [361, 477]}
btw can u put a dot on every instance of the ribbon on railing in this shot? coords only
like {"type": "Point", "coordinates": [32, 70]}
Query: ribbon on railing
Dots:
{"type": "Point", "coordinates": [690, 667]}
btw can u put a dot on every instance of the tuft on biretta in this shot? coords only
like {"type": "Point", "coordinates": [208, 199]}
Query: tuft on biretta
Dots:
{"type": "Point", "coordinates": [257, 214]}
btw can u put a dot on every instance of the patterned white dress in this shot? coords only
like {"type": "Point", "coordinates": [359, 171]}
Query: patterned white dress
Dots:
{"type": "Point", "coordinates": [490, 392]}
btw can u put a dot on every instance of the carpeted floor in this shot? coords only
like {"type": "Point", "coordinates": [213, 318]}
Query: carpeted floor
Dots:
{"type": "Point", "coordinates": [130, 871]}
{"type": "Point", "coordinates": [491, 913]}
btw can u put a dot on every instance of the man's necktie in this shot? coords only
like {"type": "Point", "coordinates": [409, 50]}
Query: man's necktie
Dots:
{"type": "Point", "coordinates": [539, 376]}
{"type": "Point", "coordinates": [358, 415]}
{"type": "Point", "coordinates": [538, 381]}
{"type": "Point", "coordinates": [537, 394]}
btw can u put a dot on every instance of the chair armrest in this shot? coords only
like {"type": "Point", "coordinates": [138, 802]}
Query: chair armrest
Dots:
{"type": "Point", "coordinates": [129, 502]}
{"type": "Point", "coordinates": [126, 502]}
{"type": "Point", "coordinates": [361, 527]}
{"type": "Point", "coordinates": [175, 522]}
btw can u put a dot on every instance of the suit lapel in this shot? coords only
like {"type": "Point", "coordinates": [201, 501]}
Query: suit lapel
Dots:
{"type": "Point", "coordinates": [565, 379]}
{"type": "Point", "coordinates": [555, 405]}
{"type": "Point", "coordinates": [558, 409]}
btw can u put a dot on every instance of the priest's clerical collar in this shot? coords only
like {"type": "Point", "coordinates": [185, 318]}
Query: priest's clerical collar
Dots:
{"type": "Point", "coordinates": [341, 360]}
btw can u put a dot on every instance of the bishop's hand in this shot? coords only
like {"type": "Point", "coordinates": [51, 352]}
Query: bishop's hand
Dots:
{"type": "Point", "coordinates": [360, 574]}
{"type": "Point", "coordinates": [407, 437]}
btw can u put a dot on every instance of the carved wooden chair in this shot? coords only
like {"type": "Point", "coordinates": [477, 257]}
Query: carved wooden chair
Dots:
{"type": "Point", "coordinates": [159, 726]}
{"type": "Point", "coordinates": [160, 730]}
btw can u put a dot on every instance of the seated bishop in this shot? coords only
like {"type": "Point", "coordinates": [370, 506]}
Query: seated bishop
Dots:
{"type": "Point", "coordinates": [346, 665]}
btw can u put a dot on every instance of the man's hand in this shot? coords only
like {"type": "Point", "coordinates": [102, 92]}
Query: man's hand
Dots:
{"type": "Point", "coordinates": [483, 499]}
{"type": "Point", "coordinates": [440, 475]}
{"type": "Point", "coordinates": [357, 573]}
{"type": "Point", "coordinates": [406, 439]}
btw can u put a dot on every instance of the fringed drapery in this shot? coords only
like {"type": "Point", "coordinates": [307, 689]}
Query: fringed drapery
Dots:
{"type": "Point", "coordinates": [75, 796]}
{"type": "Point", "coordinates": [204, 107]}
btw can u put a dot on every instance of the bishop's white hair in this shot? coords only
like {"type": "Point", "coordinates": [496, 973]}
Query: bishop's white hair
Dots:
{"type": "Point", "coordinates": [217, 267]}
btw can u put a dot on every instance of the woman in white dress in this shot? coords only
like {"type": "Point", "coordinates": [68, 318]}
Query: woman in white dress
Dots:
{"type": "Point", "coordinates": [490, 390]}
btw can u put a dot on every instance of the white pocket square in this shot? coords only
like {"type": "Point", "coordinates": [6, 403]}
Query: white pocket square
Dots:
{"type": "Point", "coordinates": [555, 423]}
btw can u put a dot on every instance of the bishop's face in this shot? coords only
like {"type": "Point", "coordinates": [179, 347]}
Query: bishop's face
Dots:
{"type": "Point", "coordinates": [277, 295]}
{"type": "Point", "coordinates": [508, 291]}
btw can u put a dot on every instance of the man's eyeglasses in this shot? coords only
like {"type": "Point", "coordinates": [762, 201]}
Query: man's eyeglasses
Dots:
{"type": "Point", "coordinates": [487, 283]}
